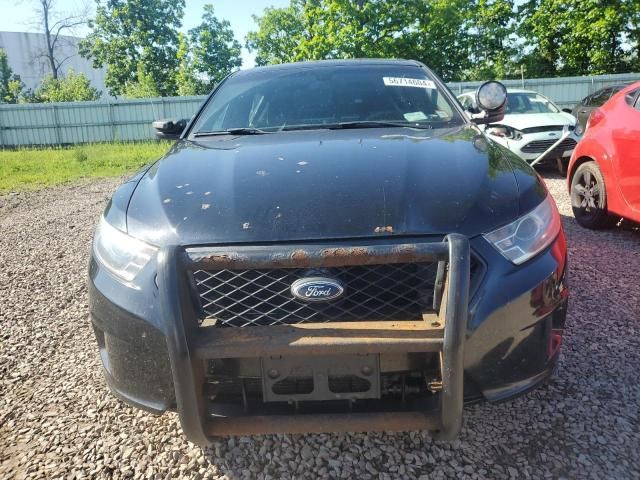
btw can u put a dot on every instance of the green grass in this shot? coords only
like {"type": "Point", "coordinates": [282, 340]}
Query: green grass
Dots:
{"type": "Point", "coordinates": [34, 168]}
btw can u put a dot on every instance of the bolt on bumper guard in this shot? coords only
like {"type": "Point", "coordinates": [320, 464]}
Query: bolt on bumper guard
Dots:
{"type": "Point", "coordinates": [190, 345]}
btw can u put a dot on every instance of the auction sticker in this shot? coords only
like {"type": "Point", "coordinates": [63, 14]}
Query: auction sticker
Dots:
{"type": "Point", "coordinates": [408, 82]}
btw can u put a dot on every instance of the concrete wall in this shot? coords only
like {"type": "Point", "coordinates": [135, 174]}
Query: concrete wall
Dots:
{"type": "Point", "coordinates": [25, 54]}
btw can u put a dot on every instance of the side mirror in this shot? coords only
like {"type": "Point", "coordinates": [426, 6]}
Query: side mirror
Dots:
{"type": "Point", "coordinates": [170, 128]}
{"type": "Point", "coordinates": [491, 99]}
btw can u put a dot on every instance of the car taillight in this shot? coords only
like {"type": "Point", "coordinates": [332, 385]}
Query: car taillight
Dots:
{"type": "Point", "coordinates": [596, 117]}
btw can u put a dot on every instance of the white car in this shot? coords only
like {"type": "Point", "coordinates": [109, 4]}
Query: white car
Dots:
{"type": "Point", "coordinates": [531, 125]}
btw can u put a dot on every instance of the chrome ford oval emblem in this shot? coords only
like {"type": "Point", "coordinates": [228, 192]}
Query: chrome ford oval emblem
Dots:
{"type": "Point", "coordinates": [316, 289]}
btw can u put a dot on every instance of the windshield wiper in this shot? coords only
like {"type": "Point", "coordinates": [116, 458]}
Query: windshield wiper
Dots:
{"type": "Point", "coordinates": [376, 124]}
{"type": "Point", "coordinates": [353, 124]}
{"type": "Point", "coordinates": [233, 131]}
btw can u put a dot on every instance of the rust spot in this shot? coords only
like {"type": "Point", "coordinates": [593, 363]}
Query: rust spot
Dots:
{"type": "Point", "coordinates": [387, 229]}
{"type": "Point", "coordinates": [299, 255]}
{"type": "Point", "coordinates": [344, 252]}
{"type": "Point", "coordinates": [225, 260]}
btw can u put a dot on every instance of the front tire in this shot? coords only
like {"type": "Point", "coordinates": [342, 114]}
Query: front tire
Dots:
{"type": "Point", "coordinates": [589, 197]}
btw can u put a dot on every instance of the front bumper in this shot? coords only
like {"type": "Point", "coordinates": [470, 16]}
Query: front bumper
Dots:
{"type": "Point", "coordinates": [519, 147]}
{"type": "Point", "coordinates": [502, 345]}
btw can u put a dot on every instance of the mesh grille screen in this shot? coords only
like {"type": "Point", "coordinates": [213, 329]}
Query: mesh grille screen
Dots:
{"type": "Point", "coordinates": [239, 298]}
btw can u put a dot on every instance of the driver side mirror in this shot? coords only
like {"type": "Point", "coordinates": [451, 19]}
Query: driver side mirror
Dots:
{"type": "Point", "coordinates": [491, 99]}
{"type": "Point", "coordinates": [170, 128]}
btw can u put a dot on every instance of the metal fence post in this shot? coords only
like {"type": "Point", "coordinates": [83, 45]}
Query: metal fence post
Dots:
{"type": "Point", "coordinates": [56, 125]}
{"type": "Point", "coordinates": [112, 121]}
{"type": "Point", "coordinates": [2, 110]}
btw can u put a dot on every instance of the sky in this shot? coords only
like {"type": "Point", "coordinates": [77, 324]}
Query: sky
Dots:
{"type": "Point", "coordinates": [18, 15]}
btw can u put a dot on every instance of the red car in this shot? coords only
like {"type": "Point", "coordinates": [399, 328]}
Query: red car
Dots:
{"type": "Point", "coordinates": [604, 171]}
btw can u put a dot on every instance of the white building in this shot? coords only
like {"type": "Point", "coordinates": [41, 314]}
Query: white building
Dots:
{"type": "Point", "coordinates": [25, 52]}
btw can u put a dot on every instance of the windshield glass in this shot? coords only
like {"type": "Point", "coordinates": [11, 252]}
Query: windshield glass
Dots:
{"type": "Point", "coordinates": [275, 99]}
{"type": "Point", "coordinates": [529, 102]}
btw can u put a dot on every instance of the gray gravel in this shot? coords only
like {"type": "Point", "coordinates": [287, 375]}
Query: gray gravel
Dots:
{"type": "Point", "coordinates": [57, 419]}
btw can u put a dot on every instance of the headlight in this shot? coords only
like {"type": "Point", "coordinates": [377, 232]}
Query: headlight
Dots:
{"type": "Point", "coordinates": [504, 131]}
{"type": "Point", "coordinates": [529, 234]}
{"type": "Point", "coordinates": [122, 255]}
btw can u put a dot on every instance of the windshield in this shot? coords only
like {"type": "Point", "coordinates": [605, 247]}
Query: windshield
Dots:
{"type": "Point", "coordinates": [321, 97]}
{"type": "Point", "coordinates": [529, 102]}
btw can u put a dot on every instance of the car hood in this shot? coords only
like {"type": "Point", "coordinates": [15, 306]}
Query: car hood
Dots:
{"type": "Point", "coordinates": [528, 120]}
{"type": "Point", "coordinates": [328, 184]}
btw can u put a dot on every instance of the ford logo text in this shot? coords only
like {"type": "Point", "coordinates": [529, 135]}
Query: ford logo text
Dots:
{"type": "Point", "coordinates": [316, 289]}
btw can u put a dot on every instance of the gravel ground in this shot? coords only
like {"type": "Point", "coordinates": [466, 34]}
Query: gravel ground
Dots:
{"type": "Point", "coordinates": [57, 419]}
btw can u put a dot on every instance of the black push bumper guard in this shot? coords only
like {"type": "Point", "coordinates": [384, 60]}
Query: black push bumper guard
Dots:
{"type": "Point", "coordinates": [190, 345]}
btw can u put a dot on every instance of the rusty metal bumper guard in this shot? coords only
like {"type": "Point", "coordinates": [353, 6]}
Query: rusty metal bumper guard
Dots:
{"type": "Point", "coordinates": [191, 346]}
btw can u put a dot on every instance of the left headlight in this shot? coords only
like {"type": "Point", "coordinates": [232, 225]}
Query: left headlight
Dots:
{"type": "Point", "coordinates": [121, 254]}
{"type": "Point", "coordinates": [528, 235]}
{"type": "Point", "coordinates": [504, 131]}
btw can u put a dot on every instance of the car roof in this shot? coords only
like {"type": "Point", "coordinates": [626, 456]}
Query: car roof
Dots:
{"type": "Point", "coordinates": [333, 63]}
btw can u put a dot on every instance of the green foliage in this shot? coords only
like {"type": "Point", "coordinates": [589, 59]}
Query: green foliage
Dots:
{"type": "Point", "coordinates": [143, 87]}
{"type": "Point", "coordinates": [71, 87]}
{"type": "Point", "coordinates": [129, 33]}
{"type": "Point", "coordinates": [29, 169]}
{"type": "Point", "coordinates": [11, 87]}
{"type": "Point", "coordinates": [491, 40]}
{"type": "Point", "coordinates": [186, 80]}
{"type": "Point", "coordinates": [280, 31]}
{"type": "Point", "coordinates": [580, 37]}
{"type": "Point", "coordinates": [451, 36]}
{"type": "Point", "coordinates": [460, 40]}
{"type": "Point", "coordinates": [214, 51]}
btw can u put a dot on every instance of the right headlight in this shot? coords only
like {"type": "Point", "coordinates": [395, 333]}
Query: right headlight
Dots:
{"type": "Point", "coordinates": [121, 254]}
{"type": "Point", "coordinates": [528, 235]}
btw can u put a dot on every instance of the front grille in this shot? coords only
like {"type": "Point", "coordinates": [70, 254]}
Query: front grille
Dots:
{"type": "Point", "coordinates": [393, 291]}
{"type": "Point", "coordinates": [539, 146]}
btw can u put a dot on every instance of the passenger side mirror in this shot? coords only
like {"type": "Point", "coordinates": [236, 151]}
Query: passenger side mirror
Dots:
{"type": "Point", "coordinates": [491, 99]}
{"type": "Point", "coordinates": [170, 128]}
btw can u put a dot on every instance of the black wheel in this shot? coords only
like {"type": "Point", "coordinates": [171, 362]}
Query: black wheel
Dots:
{"type": "Point", "coordinates": [589, 197]}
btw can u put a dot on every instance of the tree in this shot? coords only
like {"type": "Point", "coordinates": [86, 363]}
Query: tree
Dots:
{"type": "Point", "coordinates": [127, 34]}
{"type": "Point", "coordinates": [70, 87]}
{"type": "Point", "coordinates": [215, 51]}
{"type": "Point", "coordinates": [143, 87]}
{"type": "Point", "coordinates": [491, 43]}
{"type": "Point", "coordinates": [579, 37]}
{"type": "Point", "coordinates": [429, 30]}
{"type": "Point", "coordinates": [186, 80]}
{"type": "Point", "coordinates": [11, 87]}
{"type": "Point", "coordinates": [54, 24]}
{"type": "Point", "coordinates": [280, 31]}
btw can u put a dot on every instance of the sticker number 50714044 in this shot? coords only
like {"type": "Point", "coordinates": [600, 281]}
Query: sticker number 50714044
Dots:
{"type": "Point", "coordinates": [408, 82]}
